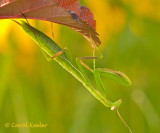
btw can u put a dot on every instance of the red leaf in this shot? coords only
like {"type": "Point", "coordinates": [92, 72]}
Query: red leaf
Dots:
{"type": "Point", "coordinates": [65, 12]}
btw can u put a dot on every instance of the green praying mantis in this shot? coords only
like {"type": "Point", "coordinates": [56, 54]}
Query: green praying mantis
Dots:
{"type": "Point", "coordinates": [76, 67]}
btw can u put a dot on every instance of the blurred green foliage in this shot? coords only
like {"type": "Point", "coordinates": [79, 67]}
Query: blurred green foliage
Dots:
{"type": "Point", "coordinates": [34, 90]}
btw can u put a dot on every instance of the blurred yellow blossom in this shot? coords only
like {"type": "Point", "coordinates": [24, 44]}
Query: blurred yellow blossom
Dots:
{"type": "Point", "coordinates": [145, 8]}
{"type": "Point", "coordinates": [109, 19]}
{"type": "Point", "coordinates": [4, 32]}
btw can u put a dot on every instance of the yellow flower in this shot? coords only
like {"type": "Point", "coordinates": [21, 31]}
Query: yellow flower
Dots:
{"type": "Point", "coordinates": [109, 19]}
{"type": "Point", "coordinates": [4, 32]}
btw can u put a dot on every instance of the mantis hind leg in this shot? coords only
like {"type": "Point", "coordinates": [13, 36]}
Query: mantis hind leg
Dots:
{"type": "Point", "coordinates": [52, 30]}
{"type": "Point", "coordinates": [58, 53]}
{"type": "Point", "coordinates": [64, 53]}
{"type": "Point", "coordinates": [25, 18]}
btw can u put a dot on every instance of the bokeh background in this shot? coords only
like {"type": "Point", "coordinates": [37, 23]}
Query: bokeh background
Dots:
{"type": "Point", "coordinates": [34, 90]}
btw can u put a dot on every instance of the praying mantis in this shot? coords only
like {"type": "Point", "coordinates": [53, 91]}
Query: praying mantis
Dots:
{"type": "Point", "coordinates": [76, 67]}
